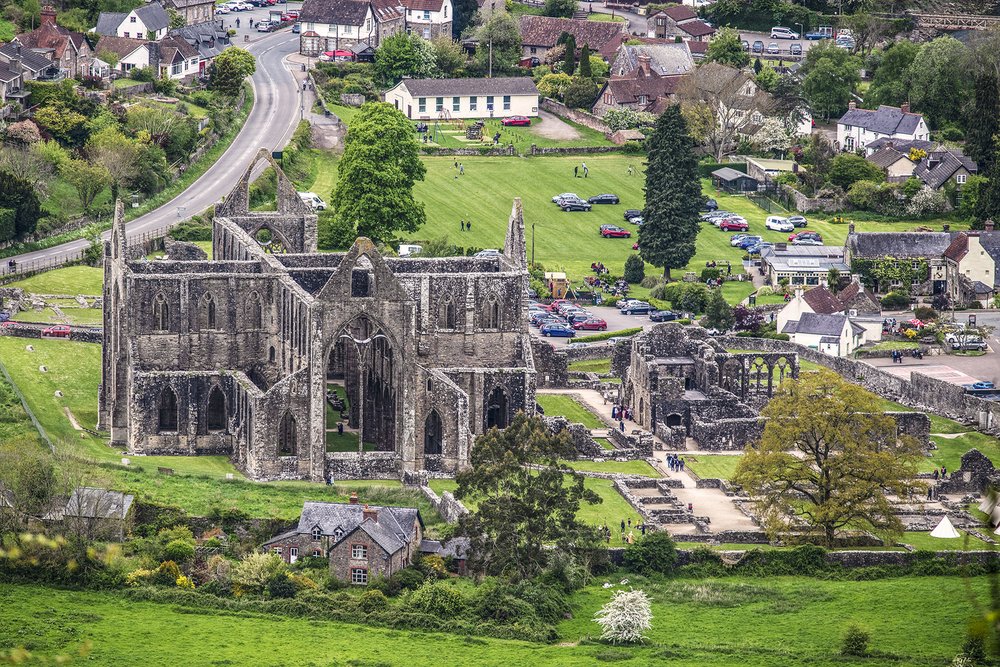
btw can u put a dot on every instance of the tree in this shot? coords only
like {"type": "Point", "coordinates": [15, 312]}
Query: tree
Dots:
{"type": "Point", "coordinates": [521, 510]}
{"type": "Point", "coordinates": [767, 78]}
{"type": "Point", "coordinates": [983, 123]}
{"type": "Point", "coordinates": [449, 56]}
{"type": "Point", "coordinates": [718, 312]}
{"type": "Point", "coordinates": [833, 279]}
{"type": "Point", "coordinates": [830, 457]}
{"type": "Point", "coordinates": [866, 30]}
{"type": "Point", "coordinates": [29, 165]}
{"type": "Point", "coordinates": [88, 179]}
{"type": "Point", "coordinates": [569, 60]}
{"type": "Point", "coordinates": [554, 85]}
{"type": "Point", "coordinates": [939, 87]}
{"type": "Point", "coordinates": [20, 197]}
{"type": "Point", "coordinates": [848, 168]}
{"type": "Point", "coordinates": [585, 71]}
{"type": "Point", "coordinates": [397, 56]}
{"type": "Point", "coordinates": [988, 201]}
{"type": "Point", "coordinates": [465, 11]}
{"type": "Point", "coordinates": [559, 8]}
{"type": "Point", "coordinates": [24, 132]}
{"type": "Point", "coordinates": [625, 617]}
{"type": "Point", "coordinates": [653, 553]}
{"type": "Point", "coordinates": [635, 270]}
{"type": "Point", "coordinates": [499, 49]}
{"type": "Point", "coordinates": [891, 83]}
{"type": "Point", "coordinates": [831, 75]}
{"type": "Point", "coordinates": [118, 154]}
{"type": "Point", "coordinates": [727, 49]}
{"type": "Point", "coordinates": [230, 69]}
{"type": "Point", "coordinates": [177, 20]}
{"type": "Point", "coordinates": [110, 57]}
{"type": "Point", "coordinates": [374, 192]}
{"type": "Point", "coordinates": [27, 474]}
{"type": "Point", "coordinates": [772, 136]}
{"type": "Point", "coordinates": [155, 122]}
{"type": "Point", "coordinates": [581, 93]}
{"type": "Point", "coordinates": [747, 319]}
{"type": "Point", "coordinates": [62, 122]}
{"type": "Point", "coordinates": [673, 195]}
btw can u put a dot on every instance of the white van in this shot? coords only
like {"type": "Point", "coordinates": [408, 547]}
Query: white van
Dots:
{"type": "Point", "coordinates": [783, 33]}
{"type": "Point", "coordinates": [409, 249]}
{"type": "Point", "coordinates": [313, 200]}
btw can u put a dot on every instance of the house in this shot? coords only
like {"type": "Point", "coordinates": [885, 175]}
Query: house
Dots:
{"type": "Point", "coordinates": [150, 21]}
{"type": "Point", "coordinates": [642, 90]}
{"type": "Point", "coordinates": [858, 304]}
{"type": "Point", "coordinates": [833, 334]}
{"type": "Point", "coordinates": [943, 166]}
{"type": "Point", "coordinates": [465, 98]}
{"type": "Point", "coordinates": [360, 541]}
{"type": "Point", "coordinates": [488, 7]}
{"type": "Point", "coordinates": [730, 180]}
{"type": "Point", "coordinates": [177, 59]}
{"type": "Point", "coordinates": [127, 53]}
{"type": "Point", "coordinates": [193, 11]}
{"type": "Point", "coordinates": [901, 146]}
{"type": "Point", "coordinates": [12, 87]}
{"type": "Point", "coordinates": [99, 513]}
{"type": "Point", "coordinates": [678, 21]}
{"type": "Point", "coordinates": [207, 38]}
{"type": "Point", "coordinates": [67, 49]}
{"type": "Point", "coordinates": [859, 127]}
{"type": "Point", "coordinates": [971, 263]}
{"type": "Point", "coordinates": [801, 265]}
{"type": "Point", "coordinates": [429, 18]}
{"type": "Point", "coordinates": [541, 33]}
{"type": "Point", "coordinates": [922, 253]}
{"type": "Point", "coordinates": [699, 50]}
{"type": "Point", "coordinates": [33, 65]}
{"type": "Point", "coordinates": [663, 58]}
{"type": "Point", "coordinates": [896, 164]}
{"type": "Point", "coordinates": [733, 94]}
{"type": "Point", "coordinates": [333, 25]}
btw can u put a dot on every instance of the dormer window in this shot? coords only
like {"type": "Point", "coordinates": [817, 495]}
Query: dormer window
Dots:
{"type": "Point", "coordinates": [317, 533]}
{"type": "Point", "coordinates": [338, 533]}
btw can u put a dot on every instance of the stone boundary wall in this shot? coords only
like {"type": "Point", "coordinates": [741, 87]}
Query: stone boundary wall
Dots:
{"type": "Point", "coordinates": [574, 150]}
{"type": "Point", "coordinates": [727, 435]}
{"type": "Point", "coordinates": [370, 465]}
{"type": "Point", "coordinates": [447, 505]}
{"type": "Point", "coordinates": [498, 151]}
{"type": "Point", "coordinates": [599, 350]}
{"type": "Point", "coordinates": [846, 559]}
{"type": "Point", "coordinates": [805, 204]}
{"type": "Point", "coordinates": [581, 117]}
{"type": "Point", "coordinates": [551, 365]}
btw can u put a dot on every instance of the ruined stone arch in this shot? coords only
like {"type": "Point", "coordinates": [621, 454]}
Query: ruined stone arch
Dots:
{"type": "Point", "coordinates": [270, 239]}
{"type": "Point", "coordinates": [759, 377]}
{"type": "Point", "coordinates": [491, 318]}
{"type": "Point", "coordinates": [161, 312]}
{"type": "Point", "coordinates": [433, 433]}
{"type": "Point", "coordinates": [731, 376]}
{"type": "Point", "coordinates": [216, 415]}
{"type": "Point", "coordinates": [166, 412]}
{"type": "Point", "coordinates": [447, 312]}
{"type": "Point", "coordinates": [497, 408]}
{"type": "Point", "coordinates": [287, 435]}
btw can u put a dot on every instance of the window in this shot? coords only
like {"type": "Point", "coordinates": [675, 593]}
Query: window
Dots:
{"type": "Point", "coordinates": [491, 314]}
{"type": "Point", "coordinates": [427, 15]}
{"type": "Point", "coordinates": [216, 410]}
{"type": "Point", "coordinates": [359, 575]}
{"type": "Point", "coordinates": [126, 35]}
{"type": "Point", "coordinates": [277, 550]}
{"type": "Point", "coordinates": [368, 25]}
{"type": "Point", "coordinates": [131, 19]}
{"type": "Point", "coordinates": [506, 102]}
{"type": "Point", "coordinates": [348, 29]}
{"type": "Point", "coordinates": [287, 436]}
{"type": "Point", "coordinates": [812, 280]}
{"type": "Point", "coordinates": [848, 128]}
{"type": "Point", "coordinates": [176, 68]}
{"type": "Point", "coordinates": [316, 533]}
{"type": "Point", "coordinates": [489, 103]}
{"type": "Point", "coordinates": [473, 103]}
{"type": "Point", "coordinates": [161, 313]}
{"type": "Point", "coordinates": [359, 552]}
{"type": "Point", "coordinates": [422, 104]}
{"type": "Point", "coordinates": [446, 11]}
{"type": "Point", "coordinates": [643, 99]}
{"type": "Point", "coordinates": [456, 104]}
{"type": "Point", "coordinates": [167, 411]}
{"type": "Point", "coordinates": [439, 104]}
{"type": "Point", "coordinates": [209, 306]}
{"type": "Point", "coordinates": [316, 553]}
{"type": "Point", "coordinates": [608, 99]}
{"type": "Point", "coordinates": [534, 50]}
{"type": "Point", "coordinates": [432, 433]}
{"type": "Point", "coordinates": [446, 314]}
{"type": "Point", "coordinates": [960, 179]}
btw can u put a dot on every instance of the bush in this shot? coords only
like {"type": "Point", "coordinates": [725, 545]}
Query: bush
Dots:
{"type": "Point", "coordinates": [254, 572]}
{"type": "Point", "coordinates": [651, 553]}
{"type": "Point", "coordinates": [925, 313]}
{"type": "Point", "coordinates": [635, 269]}
{"type": "Point", "coordinates": [438, 599]}
{"type": "Point", "coordinates": [372, 600]}
{"type": "Point", "coordinates": [280, 586]}
{"type": "Point", "coordinates": [494, 602]}
{"type": "Point", "coordinates": [166, 575]}
{"type": "Point", "coordinates": [855, 642]}
{"type": "Point", "coordinates": [141, 74]}
{"type": "Point", "coordinates": [650, 282]}
{"type": "Point", "coordinates": [179, 551]}
{"type": "Point", "coordinates": [896, 301]}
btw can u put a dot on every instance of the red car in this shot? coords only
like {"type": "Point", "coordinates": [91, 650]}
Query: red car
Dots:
{"type": "Point", "coordinates": [734, 226]}
{"type": "Point", "coordinates": [293, 14]}
{"type": "Point", "coordinates": [615, 232]}
{"type": "Point", "coordinates": [554, 306]}
{"type": "Point", "coordinates": [516, 120]}
{"type": "Point", "coordinates": [59, 330]}
{"type": "Point", "coordinates": [592, 324]}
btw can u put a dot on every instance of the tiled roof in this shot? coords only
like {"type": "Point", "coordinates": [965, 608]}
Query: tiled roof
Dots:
{"type": "Point", "coordinates": [50, 36]}
{"type": "Point", "coordinates": [886, 157]}
{"type": "Point", "coordinates": [423, 5]}
{"type": "Point", "coordinates": [120, 46]}
{"type": "Point", "coordinates": [898, 244]}
{"type": "Point", "coordinates": [334, 12]}
{"type": "Point", "coordinates": [398, 521]}
{"type": "Point", "coordinates": [850, 292]}
{"type": "Point", "coordinates": [666, 59]}
{"type": "Point", "coordinates": [603, 37]}
{"type": "Point", "coordinates": [884, 120]}
{"type": "Point", "coordinates": [630, 90]}
{"type": "Point", "coordinates": [91, 503]}
{"type": "Point", "coordinates": [388, 10]}
{"type": "Point", "coordinates": [958, 249]}
{"type": "Point", "coordinates": [206, 37]}
{"type": "Point", "coordinates": [698, 49]}
{"type": "Point", "coordinates": [7, 73]}
{"type": "Point", "coordinates": [822, 301]}
{"type": "Point", "coordinates": [512, 85]}
{"type": "Point", "coordinates": [817, 324]}
{"type": "Point", "coordinates": [697, 28]}
{"type": "Point", "coordinates": [108, 22]}
{"type": "Point", "coordinates": [679, 13]}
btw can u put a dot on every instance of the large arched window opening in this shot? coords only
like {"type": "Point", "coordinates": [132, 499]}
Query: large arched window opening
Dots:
{"type": "Point", "coordinates": [491, 314]}
{"type": "Point", "coordinates": [287, 438]}
{"type": "Point", "coordinates": [433, 433]}
{"type": "Point", "coordinates": [497, 409]}
{"type": "Point", "coordinates": [167, 411]}
{"type": "Point", "coordinates": [209, 311]}
{"type": "Point", "coordinates": [216, 410]}
{"type": "Point", "coordinates": [161, 313]}
{"type": "Point", "coordinates": [254, 319]}
{"type": "Point", "coordinates": [446, 313]}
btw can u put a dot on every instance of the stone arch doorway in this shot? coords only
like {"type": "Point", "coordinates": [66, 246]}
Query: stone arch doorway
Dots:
{"type": "Point", "coordinates": [361, 388]}
{"type": "Point", "coordinates": [673, 420]}
{"type": "Point", "coordinates": [433, 433]}
{"type": "Point", "coordinates": [497, 409]}
{"type": "Point", "coordinates": [287, 436]}
{"type": "Point", "coordinates": [216, 410]}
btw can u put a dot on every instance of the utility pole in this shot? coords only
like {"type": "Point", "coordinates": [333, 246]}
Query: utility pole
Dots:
{"type": "Point", "coordinates": [490, 75]}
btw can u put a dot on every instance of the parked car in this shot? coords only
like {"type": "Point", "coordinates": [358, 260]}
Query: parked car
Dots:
{"type": "Point", "coordinates": [795, 49]}
{"type": "Point", "coordinates": [636, 308]}
{"type": "Point", "coordinates": [516, 120]}
{"type": "Point", "coordinates": [59, 331]}
{"type": "Point", "coordinates": [773, 48]}
{"type": "Point", "coordinates": [983, 385]}
{"type": "Point", "coordinates": [614, 232]}
{"type": "Point", "coordinates": [631, 213]}
{"type": "Point", "coordinates": [222, 9]}
{"type": "Point", "coordinates": [662, 316]}
{"type": "Point", "coordinates": [591, 324]}
{"type": "Point", "coordinates": [746, 45]}
{"type": "Point", "coordinates": [798, 221]}
{"type": "Point", "coordinates": [758, 46]}
{"type": "Point", "coordinates": [313, 200]}
{"type": "Point", "coordinates": [728, 218]}
{"type": "Point", "coordinates": [734, 225]}
{"type": "Point", "coordinates": [749, 241]}
{"type": "Point", "coordinates": [574, 205]}
{"type": "Point", "coordinates": [779, 32]}
{"type": "Point", "coordinates": [970, 344]}
{"type": "Point", "coordinates": [637, 220]}
{"type": "Point", "coordinates": [778, 224]}
{"type": "Point", "coordinates": [603, 199]}
{"type": "Point", "coordinates": [805, 235]}
{"type": "Point", "coordinates": [297, 28]}
{"type": "Point", "coordinates": [709, 204]}
{"type": "Point", "coordinates": [266, 26]}
{"type": "Point", "coordinates": [736, 239]}
{"type": "Point", "coordinates": [560, 330]}
{"type": "Point", "coordinates": [293, 14]}
{"type": "Point", "coordinates": [555, 304]}
{"type": "Point", "coordinates": [565, 195]}
{"type": "Point", "coordinates": [823, 32]}
{"type": "Point", "coordinates": [488, 252]}
{"type": "Point", "coordinates": [756, 248]}
{"type": "Point", "coordinates": [807, 240]}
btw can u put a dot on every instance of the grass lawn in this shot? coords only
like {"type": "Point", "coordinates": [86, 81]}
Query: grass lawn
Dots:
{"type": "Point", "coordinates": [623, 467]}
{"type": "Point", "coordinates": [79, 316]}
{"type": "Point", "coordinates": [451, 134]}
{"type": "Point", "coordinates": [920, 540]}
{"type": "Point", "coordinates": [344, 113]}
{"type": "Point", "coordinates": [735, 292]}
{"type": "Point", "coordinates": [950, 450]}
{"type": "Point", "coordinates": [599, 366]}
{"type": "Point", "coordinates": [895, 345]}
{"type": "Point", "coordinates": [713, 467]}
{"type": "Point", "coordinates": [126, 83]}
{"type": "Point", "coordinates": [604, 443]}
{"type": "Point", "coordinates": [84, 280]}
{"type": "Point", "coordinates": [696, 623]}
{"type": "Point", "coordinates": [605, 18]}
{"type": "Point", "coordinates": [568, 407]}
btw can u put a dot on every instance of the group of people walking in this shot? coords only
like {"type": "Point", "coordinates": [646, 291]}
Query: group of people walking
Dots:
{"type": "Point", "coordinates": [627, 534]}
{"type": "Point", "coordinates": [675, 463]}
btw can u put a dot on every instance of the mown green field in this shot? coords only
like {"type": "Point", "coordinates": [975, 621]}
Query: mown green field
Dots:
{"type": "Point", "coordinates": [562, 405]}
{"type": "Point", "coordinates": [83, 280]}
{"type": "Point", "coordinates": [713, 467]}
{"type": "Point", "coordinates": [773, 622]}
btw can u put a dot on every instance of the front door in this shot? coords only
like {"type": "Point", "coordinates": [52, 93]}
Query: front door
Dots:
{"type": "Point", "coordinates": [409, 111]}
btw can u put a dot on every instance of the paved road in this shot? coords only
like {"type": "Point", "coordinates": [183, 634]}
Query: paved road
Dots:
{"type": "Point", "coordinates": [271, 122]}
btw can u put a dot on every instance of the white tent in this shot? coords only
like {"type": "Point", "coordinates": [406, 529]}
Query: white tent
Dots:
{"type": "Point", "coordinates": [945, 529]}
{"type": "Point", "coordinates": [988, 504]}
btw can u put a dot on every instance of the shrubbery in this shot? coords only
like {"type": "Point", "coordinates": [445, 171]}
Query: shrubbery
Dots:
{"type": "Point", "coordinates": [652, 553]}
{"type": "Point", "coordinates": [896, 301]}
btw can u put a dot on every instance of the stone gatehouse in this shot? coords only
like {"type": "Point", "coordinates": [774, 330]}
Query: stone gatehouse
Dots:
{"type": "Point", "coordinates": [263, 352]}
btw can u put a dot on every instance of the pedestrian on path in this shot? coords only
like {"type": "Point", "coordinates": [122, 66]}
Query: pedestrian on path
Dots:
{"type": "Point", "coordinates": [237, 22]}
{"type": "Point", "coordinates": [631, 170]}
{"type": "Point", "coordinates": [585, 170]}
{"type": "Point", "coordinates": [621, 425]}
{"type": "Point", "coordinates": [623, 525]}
{"type": "Point", "coordinates": [575, 172]}
{"type": "Point", "coordinates": [462, 223]}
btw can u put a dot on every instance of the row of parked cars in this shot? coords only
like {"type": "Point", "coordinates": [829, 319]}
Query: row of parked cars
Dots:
{"type": "Point", "coordinates": [243, 5]}
{"type": "Point", "coordinates": [570, 201]}
{"type": "Point", "coordinates": [563, 318]}
{"type": "Point", "coordinates": [637, 307]}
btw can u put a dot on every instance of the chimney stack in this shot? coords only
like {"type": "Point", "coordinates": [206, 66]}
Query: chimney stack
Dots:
{"type": "Point", "coordinates": [988, 225]}
{"type": "Point", "coordinates": [644, 61]}
{"type": "Point", "coordinates": [852, 105]}
{"type": "Point", "coordinates": [905, 107]}
{"type": "Point", "coordinates": [48, 15]}
{"type": "Point", "coordinates": [370, 513]}
{"type": "Point", "coordinates": [354, 498]}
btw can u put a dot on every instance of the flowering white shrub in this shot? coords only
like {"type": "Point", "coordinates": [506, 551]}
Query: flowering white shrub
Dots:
{"type": "Point", "coordinates": [625, 617]}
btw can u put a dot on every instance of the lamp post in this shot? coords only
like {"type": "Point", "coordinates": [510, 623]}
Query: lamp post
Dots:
{"type": "Point", "coordinates": [533, 244]}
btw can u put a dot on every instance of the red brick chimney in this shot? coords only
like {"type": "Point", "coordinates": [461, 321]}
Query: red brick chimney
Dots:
{"type": "Point", "coordinates": [48, 15]}
{"type": "Point", "coordinates": [905, 107]}
{"type": "Point", "coordinates": [988, 225]}
{"type": "Point", "coordinates": [354, 498]}
{"type": "Point", "coordinates": [369, 513]}
{"type": "Point", "coordinates": [644, 61]}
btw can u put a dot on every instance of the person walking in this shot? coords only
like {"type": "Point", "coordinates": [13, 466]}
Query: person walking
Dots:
{"type": "Point", "coordinates": [623, 525]}
{"type": "Point", "coordinates": [461, 168]}
{"type": "Point", "coordinates": [576, 172]}
{"type": "Point", "coordinates": [621, 426]}
{"type": "Point", "coordinates": [631, 170]}
{"type": "Point", "coordinates": [585, 170]}
{"type": "Point", "coordinates": [237, 22]}
{"type": "Point", "coordinates": [462, 223]}
{"type": "Point", "coordinates": [468, 226]}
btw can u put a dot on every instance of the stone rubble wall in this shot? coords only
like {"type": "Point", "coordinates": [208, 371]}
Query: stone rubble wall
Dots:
{"type": "Point", "coordinates": [448, 506]}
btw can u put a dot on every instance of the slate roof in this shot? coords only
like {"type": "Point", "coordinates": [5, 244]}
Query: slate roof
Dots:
{"type": "Point", "coordinates": [901, 146]}
{"type": "Point", "coordinates": [393, 528]}
{"type": "Point", "coordinates": [108, 22]}
{"type": "Point", "coordinates": [206, 37]}
{"type": "Point", "coordinates": [35, 62]}
{"type": "Point", "coordinates": [342, 12]}
{"type": "Point", "coordinates": [980, 287]}
{"type": "Point", "coordinates": [822, 301]}
{"type": "Point", "coordinates": [666, 59]}
{"type": "Point", "coordinates": [172, 47]}
{"type": "Point", "coordinates": [153, 16]}
{"type": "Point", "coordinates": [7, 73]}
{"type": "Point", "coordinates": [729, 174]}
{"type": "Point", "coordinates": [817, 324]}
{"type": "Point", "coordinates": [93, 503]}
{"type": "Point", "coordinates": [514, 85]}
{"type": "Point", "coordinates": [120, 46]}
{"type": "Point", "coordinates": [946, 163]}
{"type": "Point", "coordinates": [884, 120]}
{"type": "Point", "coordinates": [629, 90]}
{"type": "Point", "coordinates": [886, 157]}
{"type": "Point", "coordinates": [898, 244]}
{"type": "Point", "coordinates": [601, 36]}
{"type": "Point", "coordinates": [696, 28]}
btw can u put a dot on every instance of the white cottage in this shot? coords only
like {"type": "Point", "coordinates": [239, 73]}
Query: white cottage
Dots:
{"type": "Point", "coordinates": [465, 98]}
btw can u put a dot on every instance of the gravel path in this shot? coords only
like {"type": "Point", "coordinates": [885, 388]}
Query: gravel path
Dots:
{"type": "Point", "coordinates": [553, 127]}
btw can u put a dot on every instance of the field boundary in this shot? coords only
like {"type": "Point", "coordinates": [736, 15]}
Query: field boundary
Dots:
{"type": "Point", "coordinates": [27, 410]}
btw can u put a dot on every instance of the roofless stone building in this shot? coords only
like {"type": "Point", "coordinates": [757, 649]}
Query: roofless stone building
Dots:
{"type": "Point", "coordinates": [261, 351]}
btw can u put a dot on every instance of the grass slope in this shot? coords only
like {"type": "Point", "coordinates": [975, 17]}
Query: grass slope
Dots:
{"type": "Point", "coordinates": [83, 280]}
{"type": "Point", "coordinates": [568, 407]}
{"type": "Point", "coordinates": [713, 467]}
{"type": "Point", "coordinates": [599, 366]}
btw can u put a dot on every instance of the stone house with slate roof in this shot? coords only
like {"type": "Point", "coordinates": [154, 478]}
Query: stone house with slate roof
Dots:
{"type": "Point", "coordinates": [941, 165]}
{"type": "Point", "coordinates": [540, 33]}
{"type": "Point", "coordinates": [678, 21]}
{"type": "Point", "coordinates": [33, 65]}
{"type": "Point", "coordinates": [99, 513]}
{"type": "Point", "coordinates": [67, 49]}
{"type": "Point", "coordinates": [429, 18]}
{"type": "Point", "coordinates": [360, 541]}
{"type": "Point", "coordinates": [643, 90]}
{"type": "Point", "coordinates": [207, 38]}
{"type": "Point", "coordinates": [193, 11]}
{"type": "Point", "coordinates": [833, 334]}
{"type": "Point", "coordinates": [498, 97]}
{"type": "Point", "coordinates": [859, 127]}
{"type": "Point", "coordinates": [911, 247]}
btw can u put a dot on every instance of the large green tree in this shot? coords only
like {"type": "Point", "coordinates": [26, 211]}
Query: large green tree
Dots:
{"type": "Point", "coordinates": [559, 8]}
{"type": "Point", "coordinates": [718, 312]}
{"type": "Point", "coordinates": [117, 154]}
{"type": "Point", "coordinates": [404, 55]}
{"type": "Point", "coordinates": [831, 75]}
{"type": "Point", "coordinates": [230, 69]}
{"type": "Point", "coordinates": [464, 12]}
{"type": "Point", "coordinates": [848, 168]}
{"type": "Point", "coordinates": [939, 85]}
{"type": "Point", "coordinates": [19, 195]}
{"type": "Point", "coordinates": [891, 83]}
{"type": "Point", "coordinates": [727, 49]}
{"type": "Point", "coordinates": [88, 179]}
{"type": "Point", "coordinates": [673, 195]}
{"type": "Point", "coordinates": [521, 510]}
{"type": "Point", "coordinates": [983, 120]}
{"type": "Point", "coordinates": [499, 47]}
{"type": "Point", "coordinates": [569, 60]}
{"type": "Point", "coordinates": [829, 457]}
{"type": "Point", "coordinates": [374, 192]}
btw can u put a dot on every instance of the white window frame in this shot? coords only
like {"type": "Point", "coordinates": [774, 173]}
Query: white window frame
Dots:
{"type": "Point", "coordinates": [473, 103]}
{"type": "Point", "coordinates": [359, 552]}
{"type": "Point", "coordinates": [456, 104]}
{"type": "Point", "coordinates": [422, 105]}
{"type": "Point", "coordinates": [317, 533]}
{"type": "Point", "coordinates": [359, 576]}
{"type": "Point", "coordinates": [427, 15]}
{"type": "Point", "coordinates": [961, 178]}
{"type": "Point", "coordinates": [279, 551]}
{"type": "Point", "coordinates": [506, 102]}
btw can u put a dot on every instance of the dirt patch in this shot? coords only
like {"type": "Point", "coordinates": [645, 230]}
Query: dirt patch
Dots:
{"type": "Point", "coordinates": [553, 127]}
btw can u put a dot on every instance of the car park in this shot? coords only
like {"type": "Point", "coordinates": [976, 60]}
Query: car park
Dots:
{"type": "Point", "coordinates": [758, 46]}
{"type": "Point", "coordinates": [574, 205]}
{"type": "Point", "coordinates": [773, 48]}
{"type": "Point", "coordinates": [798, 221]}
{"type": "Point", "coordinates": [562, 330]}
{"type": "Point", "coordinates": [57, 331]}
{"type": "Point", "coordinates": [734, 225]}
{"type": "Point", "coordinates": [709, 204]}
{"type": "Point", "coordinates": [779, 32]}
{"type": "Point", "coordinates": [778, 224]}
{"type": "Point", "coordinates": [516, 121]}
{"type": "Point", "coordinates": [662, 316]}
{"type": "Point", "coordinates": [614, 232]}
{"type": "Point", "coordinates": [807, 240]}
{"type": "Point", "coordinates": [749, 241]}
{"type": "Point", "coordinates": [795, 49]}
{"type": "Point", "coordinates": [736, 239]}
{"type": "Point", "coordinates": [631, 213]}
{"type": "Point", "coordinates": [565, 195]}
{"type": "Point", "coordinates": [970, 345]}
{"type": "Point", "coordinates": [637, 220]}
{"type": "Point", "coordinates": [636, 308]}
{"type": "Point", "coordinates": [591, 324]}
{"type": "Point", "coordinates": [603, 199]}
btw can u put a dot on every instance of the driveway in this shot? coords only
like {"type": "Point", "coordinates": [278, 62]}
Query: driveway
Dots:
{"type": "Point", "coordinates": [553, 127]}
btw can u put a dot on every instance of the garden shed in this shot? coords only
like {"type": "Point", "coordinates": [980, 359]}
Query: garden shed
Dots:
{"type": "Point", "coordinates": [730, 180]}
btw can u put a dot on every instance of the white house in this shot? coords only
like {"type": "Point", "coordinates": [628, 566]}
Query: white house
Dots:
{"type": "Point", "coordinates": [336, 25]}
{"type": "Point", "coordinates": [428, 18]}
{"type": "Point", "coordinates": [835, 335]}
{"type": "Point", "coordinates": [832, 323]}
{"type": "Point", "coordinates": [859, 127]}
{"type": "Point", "coordinates": [128, 53]}
{"type": "Point", "coordinates": [465, 98]}
{"type": "Point", "coordinates": [801, 264]}
{"type": "Point", "coordinates": [150, 21]}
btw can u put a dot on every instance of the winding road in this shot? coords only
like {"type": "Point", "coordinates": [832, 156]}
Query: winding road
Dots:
{"type": "Point", "coordinates": [275, 114]}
